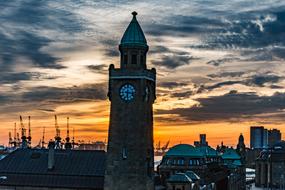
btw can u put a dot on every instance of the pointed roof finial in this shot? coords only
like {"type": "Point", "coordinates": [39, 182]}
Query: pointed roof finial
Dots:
{"type": "Point", "coordinates": [134, 13]}
{"type": "Point", "coordinates": [133, 35]}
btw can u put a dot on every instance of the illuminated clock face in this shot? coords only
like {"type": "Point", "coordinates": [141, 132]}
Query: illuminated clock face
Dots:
{"type": "Point", "coordinates": [127, 92]}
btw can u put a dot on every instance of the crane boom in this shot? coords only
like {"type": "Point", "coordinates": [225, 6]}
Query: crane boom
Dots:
{"type": "Point", "coordinates": [57, 130]}
{"type": "Point", "coordinates": [57, 135]}
{"type": "Point", "coordinates": [29, 133]}
{"type": "Point", "coordinates": [23, 130]}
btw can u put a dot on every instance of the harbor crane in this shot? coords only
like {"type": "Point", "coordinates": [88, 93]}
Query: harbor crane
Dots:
{"type": "Point", "coordinates": [57, 135]}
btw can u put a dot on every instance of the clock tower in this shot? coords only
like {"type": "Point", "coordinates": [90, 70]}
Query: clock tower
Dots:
{"type": "Point", "coordinates": [129, 162]}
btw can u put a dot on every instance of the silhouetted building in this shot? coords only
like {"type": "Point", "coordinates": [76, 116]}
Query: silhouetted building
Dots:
{"type": "Point", "coordinates": [213, 170]}
{"type": "Point", "coordinates": [274, 136]}
{"type": "Point", "coordinates": [53, 169]}
{"type": "Point", "coordinates": [270, 167]}
{"type": "Point", "coordinates": [130, 163]}
{"type": "Point", "coordinates": [258, 137]}
{"type": "Point", "coordinates": [202, 141]}
{"type": "Point", "coordinates": [98, 145]}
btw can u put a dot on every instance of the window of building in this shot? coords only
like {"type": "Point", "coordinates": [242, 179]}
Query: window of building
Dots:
{"type": "Point", "coordinates": [168, 162]}
{"type": "Point", "coordinates": [180, 161]}
{"type": "Point", "coordinates": [126, 59]}
{"type": "Point", "coordinates": [134, 59]}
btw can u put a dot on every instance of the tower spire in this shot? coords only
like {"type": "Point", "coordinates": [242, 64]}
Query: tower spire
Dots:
{"type": "Point", "coordinates": [133, 46]}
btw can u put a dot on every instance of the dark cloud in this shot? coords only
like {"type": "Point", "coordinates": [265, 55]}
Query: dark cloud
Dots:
{"type": "Point", "coordinates": [261, 80]}
{"type": "Point", "coordinates": [63, 95]}
{"type": "Point", "coordinates": [181, 95]}
{"type": "Point", "coordinates": [179, 25]}
{"type": "Point", "coordinates": [229, 106]}
{"type": "Point", "coordinates": [229, 30]}
{"type": "Point", "coordinates": [221, 84]}
{"type": "Point", "coordinates": [24, 44]}
{"type": "Point", "coordinates": [227, 74]}
{"type": "Point", "coordinates": [98, 68]}
{"type": "Point", "coordinates": [14, 77]}
{"type": "Point", "coordinates": [173, 61]}
{"type": "Point", "coordinates": [4, 99]}
{"type": "Point", "coordinates": [20, 37]}
{"type": "Point", "coordinates": [172, 84]}
{"type": "Point", "coordinates": [219, 62]}
{"type": "Point", "coordinates": [159, 50]}
{"type": "Point", "coordinates": [47, 110]}
{"type": "Point", "coordinates": [112, 52]}
{"type": "Point", "coordinates": [256, 80]}
{"type": "Point", "coordinates": [264, 54]}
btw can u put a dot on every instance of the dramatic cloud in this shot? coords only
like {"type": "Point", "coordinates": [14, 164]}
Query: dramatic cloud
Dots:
{"type": "Point", "coordinates": [98, 68]}
{"type": "Point", "coordinates": [173, 61]}
{"type": "Point", "coordinates": [52, 52]}
{"type": "Point", "coordinates": [229, 106]}
{"type": "Point", "coordinates": [63, 95]}
{"type": "Point", "coordinates": [171, 85]}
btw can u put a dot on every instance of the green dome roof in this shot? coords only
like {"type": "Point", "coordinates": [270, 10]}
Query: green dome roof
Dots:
{"type": "Point", "coordinates": [208, 151]}
{"type": "Point", "coordinates": [184, 150]}
{"type": "Point", "coordinates": [188, 150]}
{"type": "Point", "coordinates": [134, 34]}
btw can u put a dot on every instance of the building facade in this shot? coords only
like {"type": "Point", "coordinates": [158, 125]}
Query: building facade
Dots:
{"type": "Point", "coordinates": [130, 154]}
{"type": "Point", "coordinates": [258, 137]}
{"type": "Point", "coordinates": [270, 167]}
{"type": "Point", "coordinates": [274, 136]}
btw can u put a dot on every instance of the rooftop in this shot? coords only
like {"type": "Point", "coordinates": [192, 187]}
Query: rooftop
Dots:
{"type": "Point", "coordinates": [134, 34]}
{"type": "Point", "coordinates": [73, 169]}
{"type": "Point", "coordinates": [190, 151]}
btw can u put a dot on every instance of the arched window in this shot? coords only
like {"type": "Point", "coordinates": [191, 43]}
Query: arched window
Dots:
{"type": "Point", "coordinates": [134, 59]}
{"type": "Point", "coordinates": [142, 60]}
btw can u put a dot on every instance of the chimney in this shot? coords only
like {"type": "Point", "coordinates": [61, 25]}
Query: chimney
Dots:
{"type": "Point", "coordinates": [51, 146]}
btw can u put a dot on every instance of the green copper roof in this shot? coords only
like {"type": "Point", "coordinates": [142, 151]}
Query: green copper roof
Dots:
{"type": "Point", "coordinates": [182, 150]}
{"type": "Point", "coordinates": [208, 151]}
{"type": "Point", "coordinates": [188, 150]}
{"type": "Point", "coordinates": [134, 34]}
{"type": "Point", "coordinates": [230, 154]}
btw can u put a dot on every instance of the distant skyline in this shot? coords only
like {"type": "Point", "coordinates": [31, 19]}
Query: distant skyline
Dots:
{"type": "Point", "coordinates": [220, 65]}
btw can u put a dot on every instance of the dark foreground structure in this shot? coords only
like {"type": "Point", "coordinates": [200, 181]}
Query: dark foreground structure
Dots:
{"type": "Point", "coordinates": [41, 169]}
{"type": "Point", "coordinates": [270, 167]}
{"type": "Point", "coordinates": [130, 163]}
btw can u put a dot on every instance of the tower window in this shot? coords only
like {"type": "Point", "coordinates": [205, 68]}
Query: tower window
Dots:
{"type": "Point", "coordinates": [125, 59]}
{"type": "Point", "coordinates": [142, 59]}
{"type": "Point", "coordinates": [124, 153]}
{"type": "Point", "coordinates": [134, 59]}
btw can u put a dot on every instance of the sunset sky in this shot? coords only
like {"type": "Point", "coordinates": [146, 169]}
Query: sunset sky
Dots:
{"type": "Point", "coordinates": [220, 65]}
